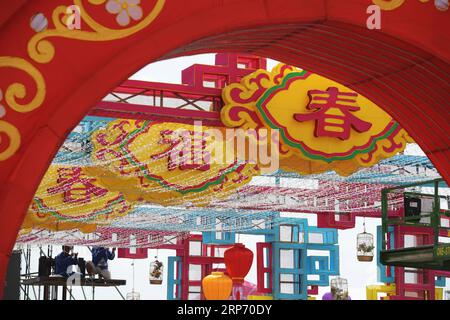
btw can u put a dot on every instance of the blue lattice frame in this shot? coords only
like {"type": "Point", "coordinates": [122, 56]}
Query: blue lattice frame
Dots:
{"type": "Point", "coordinates": [329, 243]}
{"type": "Point", "coordinates": [227, 237]}
{"type": "Point", "coordinates": [211, 237]}
{"type": "Point", "coordinates": [440, 281]}
{"type": "Point", "coordinates": [298, 271]}
{"type": "Point", "coordinates": [299, 226]}
{"type": "Point", "coordinates": [174, 263]}
{"type": "Point", "coordinates": [304, 264]}
{"type": "Point", "coordinates": [382, 269]}
{"type": "Point", "coordinates": [246, 226]}
{"type": "Point", "coordinates": [300, 253]}
{"type": "Point", "coordinates": [328, 265]}
{"type": "Point", "coordinates": [321, 271]}
{"type": "Point", "coordinates": [330, 236]}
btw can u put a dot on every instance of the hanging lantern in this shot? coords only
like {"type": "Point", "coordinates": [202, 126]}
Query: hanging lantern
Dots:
{"type": "Point", "coordinates": [133, 295]}
{"type": "Point", "coordinates": [217, 286]}
{"type": "Point", "coordinates": [156, 272]}
{"type": "Point", "coordinates": [364, 246]}
{"type": "Point", "coordinates": [339, 289]}
{"type": "Point", "coordinates": [238, 261]}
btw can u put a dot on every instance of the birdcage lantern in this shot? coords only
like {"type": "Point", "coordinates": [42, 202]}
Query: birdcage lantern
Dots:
{"type": "Point", "coordinates": [156, 272]}
{"type": "Point", "coordinates": [133, 295]}
{"type": "Point", "coordinates": [365, 246]}
{"type": "Point", "coordinates": [339, 289]}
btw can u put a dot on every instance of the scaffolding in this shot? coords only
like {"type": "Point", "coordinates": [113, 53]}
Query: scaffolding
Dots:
{"type": "Point", "coordinates": [422, 219]}
{"type": "Point", "coordinates": [36, 287]}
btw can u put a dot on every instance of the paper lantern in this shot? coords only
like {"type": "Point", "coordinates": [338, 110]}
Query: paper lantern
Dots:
{"type": "Point", "coordinates": [217, 286]}
{"type": "Point", "coordinates": [339, 289]}
{"type": "Point", "coordinates": [365, 245]}
{"type": "Point", "coordinates": [238, 261]}
{"type": "Point", "coordinates": [133, 295]}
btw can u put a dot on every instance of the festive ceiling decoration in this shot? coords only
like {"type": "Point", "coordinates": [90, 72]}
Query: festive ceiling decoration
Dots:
{"type": "Point", "coordinates": [69, 198]}
{"type": "Point", "coordinates": [398, 170]}
{"type": "Point", "coordinates": [323, 125]}
{"type": "Point", "coordinates": [166, 163]}
{"type": "Point", "coordinates": [144, 161]}
{"type": "Point", "coordinates": [78, 152]}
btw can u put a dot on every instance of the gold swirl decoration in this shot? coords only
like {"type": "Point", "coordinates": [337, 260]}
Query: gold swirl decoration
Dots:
{"type": "Point", "coordinates": [389, 5]}
{"type": "Point", "coordinates": [18, 91]}
{"type": "Point", "coordinates": [14, 140]}
{"type": "Point", "coordinates": [43, 51]}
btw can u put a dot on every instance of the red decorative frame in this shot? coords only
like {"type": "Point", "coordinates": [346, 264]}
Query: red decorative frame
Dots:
{"type": "Point", "coordinates": [264, 271]}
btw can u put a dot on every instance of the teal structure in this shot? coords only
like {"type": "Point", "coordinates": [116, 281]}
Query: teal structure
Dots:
{"type": "Point", "coordinates": [302, 255]}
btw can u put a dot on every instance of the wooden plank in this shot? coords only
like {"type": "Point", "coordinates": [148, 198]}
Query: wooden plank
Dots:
{"type": "Point", "coordinates": [60, 281]}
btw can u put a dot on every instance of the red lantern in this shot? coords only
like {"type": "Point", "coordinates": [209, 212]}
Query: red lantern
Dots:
{"type": "Point", "coordinates": [238, 260]}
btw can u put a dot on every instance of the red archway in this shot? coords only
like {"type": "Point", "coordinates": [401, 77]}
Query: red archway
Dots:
{"type": "Point", "coordinates": [404, 68]}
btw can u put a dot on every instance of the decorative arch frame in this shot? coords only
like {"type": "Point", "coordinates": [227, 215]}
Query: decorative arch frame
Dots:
{"type": "Point", "coordinates": [49, 80]}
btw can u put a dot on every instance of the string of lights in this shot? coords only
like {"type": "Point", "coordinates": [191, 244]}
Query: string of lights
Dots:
{"type": "Point", "coordinates": [282, 191]}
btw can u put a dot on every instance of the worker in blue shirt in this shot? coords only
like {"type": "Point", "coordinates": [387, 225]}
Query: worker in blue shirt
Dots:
{"type": "Point", "coordinates": [99, 263]}
{"type": "Point", "coordinates": [64, 260]}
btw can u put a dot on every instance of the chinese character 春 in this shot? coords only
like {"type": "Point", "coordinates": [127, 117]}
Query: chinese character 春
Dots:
{"type": "Point", "coordinates": [333, 113]}
{"type": "Point", "coordinates": [186, 150]}
{"type": "Point", "coordinates": [76, 187]}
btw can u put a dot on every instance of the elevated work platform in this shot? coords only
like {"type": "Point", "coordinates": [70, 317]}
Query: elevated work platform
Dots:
{"type": "Point", "coordinates": [423, 222]}
{"type": "Point", "coordinates": [51, 285]}
{"type": "Point", "coordinates": [60, 281]}
{"type": "Point", "coordinates": [419, 257]}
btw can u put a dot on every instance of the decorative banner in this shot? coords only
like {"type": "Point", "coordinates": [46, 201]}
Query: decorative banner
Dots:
{"type": "Point", "coordinates": [167, 163]}
{"type": "Point", "coordinates": [323, 125]}
{"type": "Point", "coordinates": [68, 198]}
